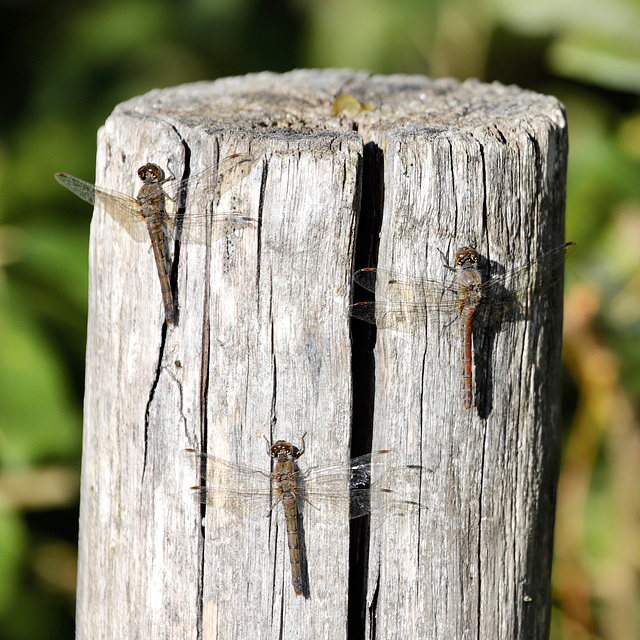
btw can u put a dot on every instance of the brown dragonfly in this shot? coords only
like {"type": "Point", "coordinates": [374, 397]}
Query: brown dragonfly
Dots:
{"type": "Point", "coordinates": [157, 213]}
{"type": "Point", "coordinates": [404, 303]}
{"type": "Point", "coordinates": [357, 487]}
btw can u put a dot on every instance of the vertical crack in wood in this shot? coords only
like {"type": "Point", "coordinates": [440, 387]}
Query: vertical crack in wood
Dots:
{"type": "Point", "coordinates": [274, 530]}
{"type": "Point", "coordinates": [204, 436]}
{"type": "Point", "coordinates": [263, 187]}
{"type": "Point", "coordinates": [483, 334]}
{"type": "Point", "coordinates": [363, 377]}
{"type": "Point", "coordinates": [281, 630]}
{"type": "Point", "coordinates": [152, 393]}
{"type": "Point", "coordinates": [373, 609]}
{"type": "Point", "coordinates": [204, 362]}
{"type": "Point", "coordinates": [274, 369]}
{"type": "Point", "coordinates": [423, 374]}
{"type": "Point", "coordinates": [200, 585]}
{"type": "Point", "coordinates": [205, 373]}
{"type": "Point", "coordinates": [180, 208]}
{"type": "Point", "coordinates": [485, 209]}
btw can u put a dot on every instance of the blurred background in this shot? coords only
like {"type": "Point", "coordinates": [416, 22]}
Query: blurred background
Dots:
{"type": "Point", "coordinates": [67, 65]}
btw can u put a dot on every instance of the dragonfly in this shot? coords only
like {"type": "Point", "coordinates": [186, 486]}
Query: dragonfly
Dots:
{"type": "Point", "coordinates": [157, 215]}
{"type": "Point", "coordinates": [360, 487]}
{"type": "Point", "coordinates": [404, 303]}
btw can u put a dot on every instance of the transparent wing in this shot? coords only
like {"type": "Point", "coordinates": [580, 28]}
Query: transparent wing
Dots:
{"type": "Point", "coordinates": [201, 194]}
{"type": "Point", "coordinates": [204, 228]}
{"type": "Point", "coordinates": [403, 303]}
{"type": "Point", "coordinates": [368, 484]}
{"type": "Point", "coordinates": [400, 316]}
{"type": "Point", "coordinates": [212, 183]}
{"type": "Point", "coordinates": [244, 491]}
{"type": "Point", "coordinates": [122, 208]}
{"type": "Point", "coordinates": [531, 279]}
{"type": "Point", "coordinates": [395, 287]}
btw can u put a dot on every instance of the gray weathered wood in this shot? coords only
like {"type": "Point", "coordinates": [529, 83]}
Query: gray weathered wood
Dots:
{"type": "Point", "coordinates": [262, 347]}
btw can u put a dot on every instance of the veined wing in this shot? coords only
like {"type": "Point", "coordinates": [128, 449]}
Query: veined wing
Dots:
{"type": "Point", "coordinates": [242, 490]}
{"type": "Point", "coordinates": [531, 279]}
{"type": "Point", "coordinates": [122, 208]}
{"type": "Point", "coordinates": [212, 183]}
{"type": "Point", "coordinates": [396, 287]}
{"type": "Point", "coordinates": [391, 315]}
{"type": "Point", "coordinates": [205, 228]}
{"type": "Point", "coordinates": [403, 303]}
{"type": "Point", "coordinates": [364, 485]}
{"type": "Point", "coordinates": [201, 193]}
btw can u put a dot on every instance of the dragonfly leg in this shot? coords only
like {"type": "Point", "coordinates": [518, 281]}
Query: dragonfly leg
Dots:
{"type": "Point", "coordinates": [299, 451]}
{"type": "Point", "coordinates": [168, 178]}
{"type": "Point", "coordinates": [445, 264]}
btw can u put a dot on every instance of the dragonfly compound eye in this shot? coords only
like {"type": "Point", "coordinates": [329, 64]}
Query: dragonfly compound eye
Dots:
{"type": "Point", "coordinates": [281, 447]}
{"type": "Point", "coordinates": [466, 256]}
{"type": "Point", "coordinates": [150, 173]}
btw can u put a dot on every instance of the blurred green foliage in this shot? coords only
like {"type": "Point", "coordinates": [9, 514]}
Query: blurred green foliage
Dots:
{"type": "Point", "coordinates": [68, 64]}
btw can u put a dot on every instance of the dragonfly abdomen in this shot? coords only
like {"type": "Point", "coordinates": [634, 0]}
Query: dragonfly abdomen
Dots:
{"type": "Point", "coordinates": [285, 484]}
{"type": "Point", "coordinates": [157, 242]}
{"type": "Point", "coordinates": [289, 502]}
{"type": "Point", "coordinates": [466, 323]}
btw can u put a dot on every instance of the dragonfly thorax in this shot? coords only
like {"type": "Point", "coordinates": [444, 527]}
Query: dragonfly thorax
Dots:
{"type": "Point", "coordinates": [151, 199]}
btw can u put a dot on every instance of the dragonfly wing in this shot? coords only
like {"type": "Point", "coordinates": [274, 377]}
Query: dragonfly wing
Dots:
{"type": "Point", "coordinates": [390, 315]}
{"type": "Point", "coordinates": [531, 279]}
{"type": "Point", "coordinates": [366, 278]}
{"type": "Point", "coordinates": [242, 505]}
{"type": "Point", "coordinates": [208, 185]}
{"type": "Point", "coordinates": [243, 491]}
{"type": "Point", "coordinates": [225, 224]}
{"type": "Point", "coordinates": [122, 208]}
{"type": "Point", "coordinates": [325, 490]}
{"type": "Point", "coordinates": [395, 287]}
{"type": "Point", "coordinates": [204, 228]}
{"type": "Point", "coordinates": [82, 189]}
{"type": "Point", "coordinates": [200, 194]}
{"type": "Point", "coordinates": [233, 169]}
{"type": "Point", "coordinates": [359, 487]}
{"type": "Point", "coordinates": [380, 486]}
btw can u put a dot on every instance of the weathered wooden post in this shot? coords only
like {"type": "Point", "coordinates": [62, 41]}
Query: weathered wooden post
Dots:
{"type": "Point", "coordinates": [262, 346]}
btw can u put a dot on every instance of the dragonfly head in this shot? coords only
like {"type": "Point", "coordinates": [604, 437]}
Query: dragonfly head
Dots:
{"type": "Point", "coordinates": [466, 258]}
{"type": "Point", "coordinates": [281, 449]}
{"type": "Point", "coordinates": [150, 173]}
